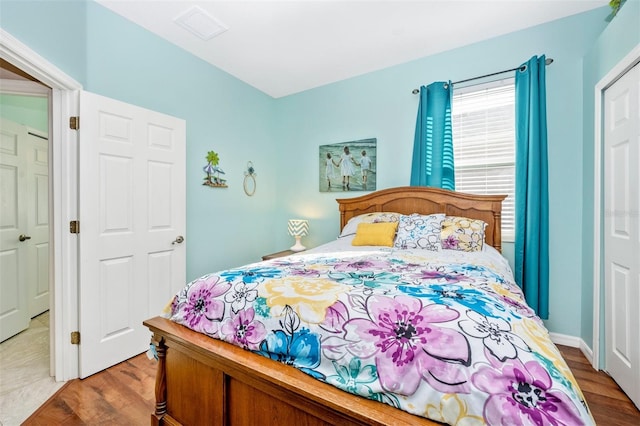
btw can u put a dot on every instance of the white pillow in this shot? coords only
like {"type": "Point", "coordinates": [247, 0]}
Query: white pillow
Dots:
{"type": "Point", "coordinates": [418, 231]}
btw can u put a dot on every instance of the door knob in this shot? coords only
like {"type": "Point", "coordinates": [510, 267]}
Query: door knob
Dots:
{"type": "Point", "coordinates": [23, 237]}
{"type": "Point", "coordinates": [179, 239]}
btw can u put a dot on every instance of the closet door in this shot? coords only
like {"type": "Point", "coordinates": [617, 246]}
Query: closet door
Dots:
{"type": "Point", "coordinates": [14, 310]}
{"type": "Point", "coordinates": [622, 232]}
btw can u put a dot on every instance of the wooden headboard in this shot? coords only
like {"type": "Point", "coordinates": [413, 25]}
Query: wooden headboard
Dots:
{"type": "Point", "coordinates": [426, 200]}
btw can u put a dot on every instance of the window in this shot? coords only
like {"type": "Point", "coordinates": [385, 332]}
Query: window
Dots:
{"type": "Point", "coordinates": [483, 119]}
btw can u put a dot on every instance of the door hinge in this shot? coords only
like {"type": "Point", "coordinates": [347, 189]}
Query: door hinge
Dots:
{"type": "Point", "coordinates": [75, 337]}
{"type": "Point", "coordinates": [74, 227]}
{"type": "Point", "coordinates": [74, 123]}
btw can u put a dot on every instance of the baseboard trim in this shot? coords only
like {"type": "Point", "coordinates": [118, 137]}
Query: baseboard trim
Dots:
{"type": "Point", "coordinates": [564, 339]}
{"type": "Point", "coordinates": [587, 351]}
{"type": "Point", "coordinates": [574, 342]}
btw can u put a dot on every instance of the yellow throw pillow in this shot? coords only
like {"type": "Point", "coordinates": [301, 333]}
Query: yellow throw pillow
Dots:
{"type": "Point", "coordinates": [375, 234]}
{"type": "Point", "coordinates": [375, 217]}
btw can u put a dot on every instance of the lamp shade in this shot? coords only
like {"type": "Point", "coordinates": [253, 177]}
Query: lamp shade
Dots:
{"type": "Point", "coordinates": [298, 227]}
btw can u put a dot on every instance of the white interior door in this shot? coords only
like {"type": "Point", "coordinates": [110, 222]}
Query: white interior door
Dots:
{"type": "Point", "coordinates": [132, 223]}
{"type": "Point", "coordinates": [37, 152]}
{"type": "Point", "coordinates": [14, 310]}
{"type": "Point", "coordinates": [622, 232]}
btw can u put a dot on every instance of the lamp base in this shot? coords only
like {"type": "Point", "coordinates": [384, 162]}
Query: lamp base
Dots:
{"type": "Point", "coordinates": [297, 246]}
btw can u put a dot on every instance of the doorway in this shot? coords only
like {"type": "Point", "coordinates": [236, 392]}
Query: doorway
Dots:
{"type": "Point", "coordinates": [24, 229]}
{"type": "Point", "coordinates": [27, 363]}
{"type": "Point", "coordinates": [62, 198]}
{"type": "Point", "coordinates": [65, 170]}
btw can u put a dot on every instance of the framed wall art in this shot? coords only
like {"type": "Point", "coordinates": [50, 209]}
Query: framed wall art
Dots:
{"type": "Point", "coordinates": [348, 166]}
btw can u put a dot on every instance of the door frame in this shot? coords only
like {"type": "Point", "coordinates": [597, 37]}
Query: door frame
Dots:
{"type": "Point", "coordinates": [628, 62]}
{"type": "Point", "coordinates": [63, 252]}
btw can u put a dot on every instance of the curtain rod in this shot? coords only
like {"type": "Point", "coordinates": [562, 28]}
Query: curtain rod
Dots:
{"type": "Point", "coordinates": [548, 61]}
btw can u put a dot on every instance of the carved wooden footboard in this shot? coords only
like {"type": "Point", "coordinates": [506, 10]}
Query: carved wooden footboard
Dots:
{"type": "Point", "coordinates": [201, 380]}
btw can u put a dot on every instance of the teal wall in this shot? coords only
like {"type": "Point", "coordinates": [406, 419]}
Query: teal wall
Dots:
{"type": "Point", "coordinates": [380, 105]}
{"type": "Point", "coordinates": [225, 227]}
{"type": "Point", "coordinates": [55, 29]}
{"type": "Point", "coordinates": [620, 37]}
{"type": "Point", "coordinates": [113, 57]}
{"type": "Point", "coordinates": [31, 111]}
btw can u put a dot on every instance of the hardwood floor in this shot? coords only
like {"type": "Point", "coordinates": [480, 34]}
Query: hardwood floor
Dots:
{"type": "Point", "coordinates": [124, 395]}
{"type": "Point", "coordinates": [120, 395]}
{"type": "Point", "coordinates": [608, 404]}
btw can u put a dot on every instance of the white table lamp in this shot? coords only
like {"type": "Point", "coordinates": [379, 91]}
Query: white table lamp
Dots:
{"type": "Point", "coordinates": [298, 228]}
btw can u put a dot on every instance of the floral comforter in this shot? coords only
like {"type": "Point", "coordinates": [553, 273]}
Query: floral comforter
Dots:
{"type": "Point", "coordinates": [443, 335]}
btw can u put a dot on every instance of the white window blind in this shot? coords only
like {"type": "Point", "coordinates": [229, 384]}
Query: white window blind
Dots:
{"type": "Point", "coordinates": [483, 119]}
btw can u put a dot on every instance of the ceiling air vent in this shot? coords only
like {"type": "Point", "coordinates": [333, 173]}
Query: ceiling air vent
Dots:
{"type": "Point", "coordinates": [198, 22]}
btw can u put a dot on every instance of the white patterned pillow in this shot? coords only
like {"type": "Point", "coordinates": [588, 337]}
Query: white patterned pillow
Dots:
{"type": "Point", "coordinates": [418, 231]}
{"type": "Point", "coordinates": [352, 225]}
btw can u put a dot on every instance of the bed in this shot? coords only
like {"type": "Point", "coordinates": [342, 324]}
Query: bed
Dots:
{"type": "Point", "coordinates": [449, 362]}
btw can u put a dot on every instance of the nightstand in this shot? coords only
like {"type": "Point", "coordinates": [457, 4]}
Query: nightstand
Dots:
{"type": "Point", "coordinates": [279, 254]}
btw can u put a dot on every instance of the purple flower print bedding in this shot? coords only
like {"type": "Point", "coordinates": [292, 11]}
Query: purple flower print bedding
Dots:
{"type": "Point", "coordinates": [443, 335]}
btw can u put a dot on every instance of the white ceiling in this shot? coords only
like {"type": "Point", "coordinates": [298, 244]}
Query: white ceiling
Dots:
{"type": "Point", "coordinates": [284, 47]}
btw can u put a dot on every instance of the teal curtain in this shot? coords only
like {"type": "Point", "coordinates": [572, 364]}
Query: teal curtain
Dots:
{"type": "Point", "coordinates": [432, 163]}
{"type": "Point", "coordinates": [532, 196]}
